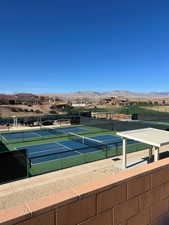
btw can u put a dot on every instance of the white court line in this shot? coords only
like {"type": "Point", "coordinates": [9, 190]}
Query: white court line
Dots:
{"type": "Point", "coordinates": [51, 154]}
{"type": "Point", "coordinates": [78, 152]}
{"type": "Point", "coordinates": [63, 146]}
{"type": "Point", "coordinates": [47, 161]}
{"type": "Point", "coordinates": [4, 138]}
{"type": "Point", "coordinates": [33, 153]}
{"type": "Point", "coordinates": [36, 134]}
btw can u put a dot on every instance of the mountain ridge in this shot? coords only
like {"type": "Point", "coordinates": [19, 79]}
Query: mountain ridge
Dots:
{"type": "Point", "coordinates": [96, 94]}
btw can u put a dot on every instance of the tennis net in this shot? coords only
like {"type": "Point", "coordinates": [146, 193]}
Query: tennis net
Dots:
{"type": "Point", "coordinates": [85, 140]}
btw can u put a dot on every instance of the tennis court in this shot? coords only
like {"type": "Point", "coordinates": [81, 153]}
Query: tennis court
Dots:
{"type": "Point", "coordinates": [76, 145]}
{"type": "Point", "coordinates": [56, 150]}
{"type": "Point", "coordinates": [10, 136]}
{"type": "Point", "coordinates": [73, 151]}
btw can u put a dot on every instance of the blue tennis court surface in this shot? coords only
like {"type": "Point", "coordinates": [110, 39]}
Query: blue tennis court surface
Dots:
{"type": "Point", "coordinates": [110, 139]}
{"type": "Point", "coordinates": [11, 136]}
{"type": "Point", "coordinates": [72, 144]}
{"type": "Point", "coordinates": [42, 133]}
{"type": "Point", "coordinates": [107, 139]}
{"type": "Point", "coordinates": [71, 129]}
{"type": "Point", "coordinates": [56, 150]}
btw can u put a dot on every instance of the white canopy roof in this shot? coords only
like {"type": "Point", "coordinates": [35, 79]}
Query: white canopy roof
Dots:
{"type": "Point", "coordinates": [150, 136]}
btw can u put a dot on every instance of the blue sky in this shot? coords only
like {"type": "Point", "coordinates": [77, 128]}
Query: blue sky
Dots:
{"type": "Point", "coordinates": [65, 46]}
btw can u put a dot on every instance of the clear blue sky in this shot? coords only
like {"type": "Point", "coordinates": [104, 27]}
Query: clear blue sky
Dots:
{"type": "Point", "coordinates": [64, 46]}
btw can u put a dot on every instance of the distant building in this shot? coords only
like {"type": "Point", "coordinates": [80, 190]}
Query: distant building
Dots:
{"type": "Point", "coordinates": [111, 116]}
{"type": "Point", "coordinates": [78, 104]}
{"type": "Point", "coordinates": [7, 99]}
{"type": "Point", "coordinates": [121, 101]}
{"type": "Point", "coordinates": [26, 98]}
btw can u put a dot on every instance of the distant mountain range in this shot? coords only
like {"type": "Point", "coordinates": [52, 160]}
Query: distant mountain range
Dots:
{"type": "Point", "coordinates": [94, 94]}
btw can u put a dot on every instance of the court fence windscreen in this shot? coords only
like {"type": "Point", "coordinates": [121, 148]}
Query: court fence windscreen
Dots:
{"type": "Point", "coordinates": [13, 166]}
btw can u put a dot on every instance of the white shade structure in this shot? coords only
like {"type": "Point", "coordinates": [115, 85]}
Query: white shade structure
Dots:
{"type": "Point", "coordinates": [150, 136]}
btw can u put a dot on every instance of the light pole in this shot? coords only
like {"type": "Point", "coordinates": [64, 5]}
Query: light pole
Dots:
{"type": "Point", "coordinates": [14, 121]}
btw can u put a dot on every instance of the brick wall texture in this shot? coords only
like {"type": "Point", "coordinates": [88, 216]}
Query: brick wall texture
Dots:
{"type": "Point", "coordinates": [133, 197]}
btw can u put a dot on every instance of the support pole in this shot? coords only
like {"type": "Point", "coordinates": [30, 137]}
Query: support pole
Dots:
{"type": "Point", "coordinates": [13, 121]}
{"type": "Point", "coordinates": [156, 154]}
{"type": "Point", "coordinates": [150, 154]}
{"type": "Point", "coordinates": [124, 163]}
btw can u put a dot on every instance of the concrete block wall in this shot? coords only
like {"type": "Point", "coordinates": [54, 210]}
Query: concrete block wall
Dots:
{"type": "Point", "coordinates": [138, 196]}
